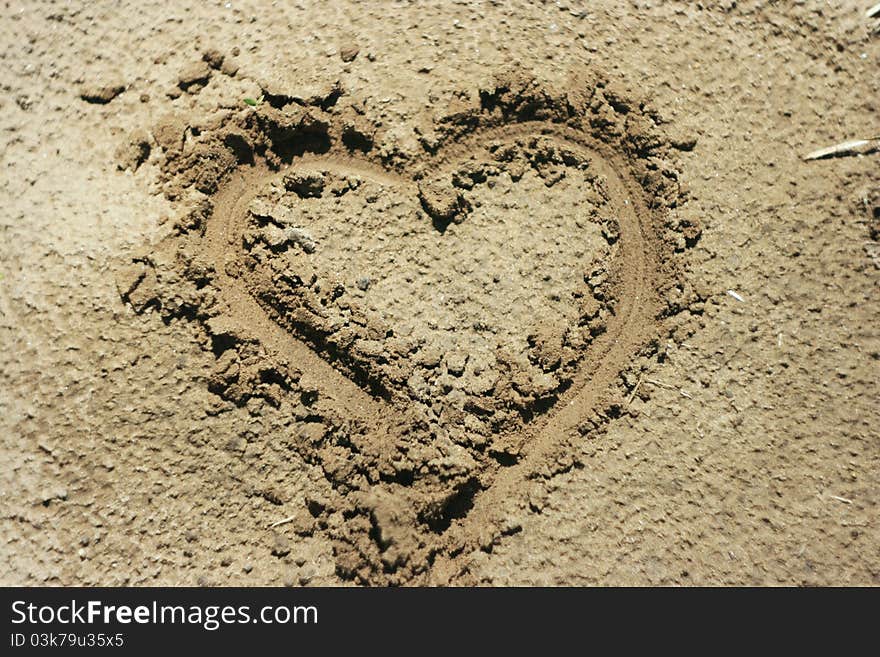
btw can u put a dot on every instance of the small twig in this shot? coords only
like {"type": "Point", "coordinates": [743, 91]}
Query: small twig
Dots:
{"type": "Point", "coordinates": [634, 391]}
{"type": "Point", "coordinates": [840, 499]}
{"type": "Point", "coordinates": [660, 384]}
{"type": "Point", "coordinates": [873, 11]}
{"type": "Point", "coordinates": [281, 522]}
{"type": "Point", "coordinates": [856, 147]}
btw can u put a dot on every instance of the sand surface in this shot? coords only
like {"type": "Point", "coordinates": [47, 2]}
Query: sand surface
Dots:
{"type": "Point", "coordinates": [464, 293]}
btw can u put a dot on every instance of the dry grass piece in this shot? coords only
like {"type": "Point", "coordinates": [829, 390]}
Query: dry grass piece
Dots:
{"type": "Point", "coordinates": [634, 391]}
{"type": "Point", "coordinates": [856, 147]}
{"type": "Point", "coordinates": [278, 523]}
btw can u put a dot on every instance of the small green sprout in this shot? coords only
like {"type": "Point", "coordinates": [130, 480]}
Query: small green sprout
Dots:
{"type": "Point", "coordinates": [253, 102]}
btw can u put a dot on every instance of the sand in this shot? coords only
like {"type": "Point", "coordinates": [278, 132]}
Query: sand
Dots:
{"type": "Point", "coordinates": [477, 293]}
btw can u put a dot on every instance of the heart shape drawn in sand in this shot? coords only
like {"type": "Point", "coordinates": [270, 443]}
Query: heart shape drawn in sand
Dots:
{"type": "Point", "coordinates": [439, 324]}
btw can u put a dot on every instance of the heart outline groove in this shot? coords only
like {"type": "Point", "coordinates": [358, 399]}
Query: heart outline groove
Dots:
{"type": "Point", "coordinates": [406, 496]}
